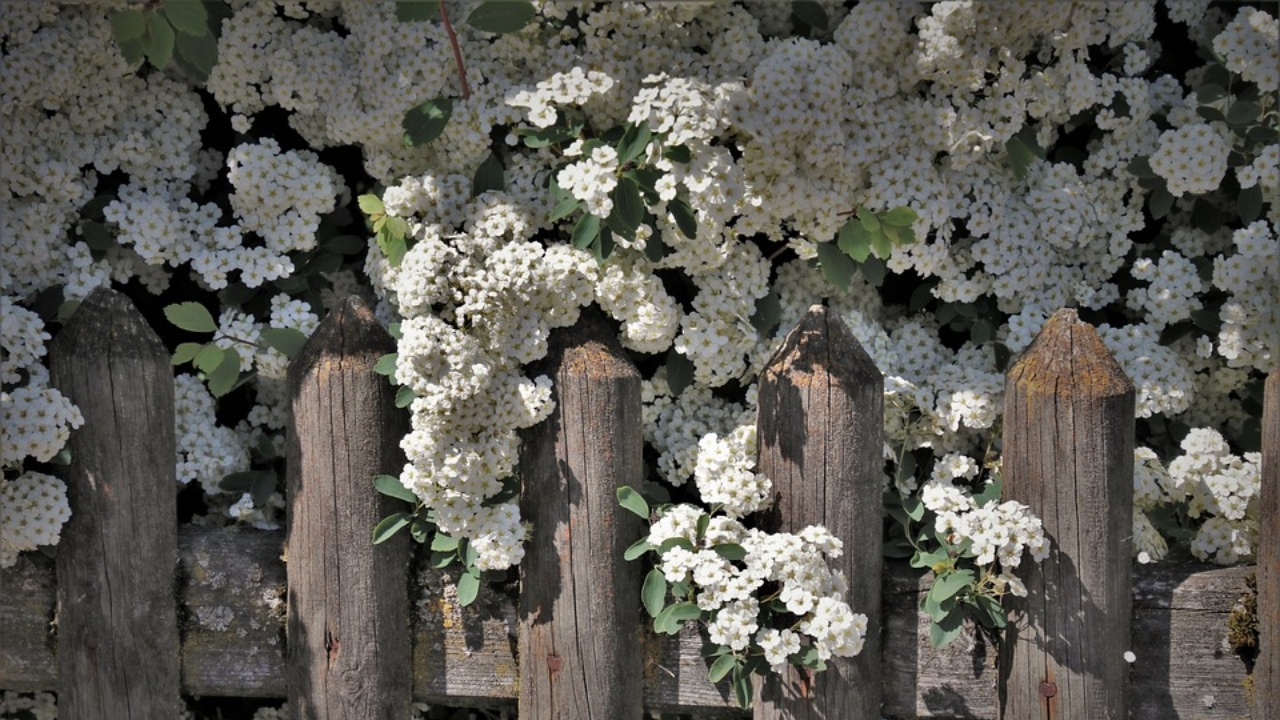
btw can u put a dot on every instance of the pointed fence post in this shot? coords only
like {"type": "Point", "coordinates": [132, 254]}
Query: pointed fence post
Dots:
{"type": "Point", "coordinates": [1266, 671]}
{"type": "Point", "coordinates": [579, 618]}
{"type": "Point", "coordinates": [820, 439]}
{"type": "Point", "coordinates": [348, 600]}
{"type": "Point", "coordinates": [117, 618]}
{"type": "Point", "coordinates": [1068, 454]}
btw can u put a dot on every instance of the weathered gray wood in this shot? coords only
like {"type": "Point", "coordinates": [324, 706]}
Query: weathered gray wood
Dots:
{"type": "Point", "coordinates": [467, 655]}
{"type": "Point", "coordinates": [348, 600]}
{"type": "Point", "coordinates": [579, 600]}
{"type": "Point", "coordinates": [1266, 671]}
{"type": "Point", "coordinates": [820, 428]}
{"type": "Point", "coordinates": [117, 623]}
{"type": "Point", "coordinates": [1068, 454]}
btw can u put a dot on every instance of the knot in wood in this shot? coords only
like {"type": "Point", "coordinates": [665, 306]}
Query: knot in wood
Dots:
{"type": "Point", "coordinates": [1048, 689]}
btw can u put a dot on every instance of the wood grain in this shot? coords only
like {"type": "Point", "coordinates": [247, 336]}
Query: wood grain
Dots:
{"type": "Point", "coordinates": [348, 600]}
{"type": "Point", "coordinates": [579, 614]}
{"type": "Point", "coordinates": [1266, 672]}
{"type": "Point", "coordinates": [820, 440]}
{"type": "Point", "coordinates": [1068, 454]}
{"type": "Point", "coordinates": [117, 623]}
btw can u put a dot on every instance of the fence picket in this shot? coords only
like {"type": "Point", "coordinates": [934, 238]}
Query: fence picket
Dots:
{"type": "Point", "coordinates": [117, 620]}
{"type": "Point", "coordinates": [1068, 454]}
{"type": "Point", "coordinates": [820, 440]}
{"type": "Point", "coordinates": [579, 648]}
{"type": "Point", "coordinates": [348, 600]}
{"type": "Point", "coordinates": [1266, 671]}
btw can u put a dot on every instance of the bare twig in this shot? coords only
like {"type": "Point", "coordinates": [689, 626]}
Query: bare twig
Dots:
{"type": "Point", "coordinates": [457, 51]}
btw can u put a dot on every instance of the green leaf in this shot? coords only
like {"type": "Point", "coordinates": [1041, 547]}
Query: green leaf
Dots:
{"type": "Point", "coordinates": [1205, 216]}
{"type": "Point", "coordinates": [564, 208]}
{"type": "Point", "coordinates": [654, 592]}
{"type": "Point", "coordinates": [627, 205]}
{"type": "Point", "coordinates": [768, 313]}
{"type": "Point", "coordinates": [990, 492]}
{"type": "Point", "coordinates": [948, 629]}
{"type": "Point", "coordinates": [132, 50]}
{"type": "Point", "coordinates": [949, 584]}
{"type": "Point", "coordinates": [287, 340]}
{"type": "Point", "coordinates": [675, 542]}
{"type": "Point", "coordinates": [128, 25]}
{"type": "Point", "coordinates": [393, 246]}
{"type": "Point", "coordinates": [634, 141]}
{"type": "Point", "coordinates": [673, 616]}
{"type": "Point", "coordinates": [991, 609]}
{"type": "Point", "coordinates": [1243, 112]}
{"type": "Point", "coordinates": [263, 487]}
{"type": "Point", "coordinates": [1210, 92]}
{"type": "Point", "coordinates": [685, 219]}
{"type": "Point", "coordinates": [678, 153]}
{"type": "Point", "coordinates": [1021, 158]}
{"type": "Point", "coordinates": [418, 529]}
{"type": "Point", "coordinates": [501, 16]}
{"type": "Point", "coordinates": [732, 552]}
{"type": "Point", "coordinates": [542, 137]}
{"type": "Point", "coordinates": [874, 270]}
{"type": "Point", "coordinates": [679, 372]}
{"type": "Point", "coordinates": [721, 667]}
{"type": "Point", "coordinates": [982, 331]}
{"type": "Point", "coordinates": [158, 44]}
{"type": "Point", "coordinates": [633, 501]}
{"type": "Point", "coordinates": [371, 204]}
{"type": "Point", "coordinates": [585, 231]}
{"type": "Point", "coordinates": [883, 240]}
{"type": "Point", "coordinates": [1160, 202]}
{"type": "Point", "coordinates": [929, 559]}
{"type": "Point", "coordinates": [200, 52]}
{"type": "Point", "coordinates": [837, 268]}
{"type": "Point", "coordinates": [637, 549]}
{"type": "Point", "coordinates": [346, 245]}
{"type": "Point", "coordinates": [404, 396]}
{"type": "Point", "coordinates": [1141, 167]}
{"type": "Point", "coordinates": [810, 13]}
{"type": "Point", "coordinates": [223, 378]}
{"type": "Point", "coordinates": [186, 352]}
{"type": "Point", "coordinates": [742, 687]}
{"type": "Point", "coordinates": [903, 217]}
{"type": "Point", "coordinates": [854, 240]}
{"type": "Point", "coordinates": [417, 10]}
{"type": "Point", "coordinates": [424, 123]}
{"type": "Point", "coordinates": [869, 221]}
{"type": "Point", "coordinates": [1249, 203]}
{"type": "Point", "coordinates": [187, 16]}
{"type": "Point", "coordinates": [468, 588]}
{"type": "Point", "coordinates": [391, 486]}
{"type": "Point", "coordinates": [489, 176]}
{"type": "Point", "coordinates": [190, 316]}
{"type": "Point", "coordinates": [208, 359]}
{"type": "Point", "coordinates": [913, 506]}
{"type": "Point", "coordinates": [444, 543]}
{"type": "Point", "coordinates": [390, 525]}
{"type": "Point", "coordinates": [386, 364]}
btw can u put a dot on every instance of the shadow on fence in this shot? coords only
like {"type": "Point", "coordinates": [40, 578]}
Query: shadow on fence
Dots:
{"type": "Point", "coordinates": [337, 630]}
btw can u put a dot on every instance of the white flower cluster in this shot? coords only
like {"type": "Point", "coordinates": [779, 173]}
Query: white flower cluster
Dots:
{"type": "Point", "coordinates": [1173, 283]}
{"type": "Point", "coordinates": [33, 508]}
{"type": "Point", "coordinates": [1250, 333]}
{"type": "Point", "coordinates": [1162, 378]}
{"type": "Point", "coordinates": [207, 451]}
{"type": "Point", "coordinates": [725, 473]}
{"type": "Point", "coordinates": [592, 180]}
{"type": "Point", "coordinates": [729, 590]}
{"type": "Point", "coordinates": [997, 532]}
{"type": "Point", "coordinates": [40, 706]}
{"type": "Point", "coordinates": [1192, 158]}
{"type": "Point", "coordinates": [1215, 481]}
{"type": "Point", "coordinates": [1250, 44]}
{"type": "Point", "coordinates": [37, 422]}
{"type": "Point", "coordinates": [575, 87]}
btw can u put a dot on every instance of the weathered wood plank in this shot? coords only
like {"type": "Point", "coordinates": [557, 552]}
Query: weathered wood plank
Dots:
{"type": "Point", "coordinates": [348, 599]}
{"type": "Point", "coordinates": [820, 439]}
{"type": "Point", "coordinates": [579, 652]}
{"type": "Point", "coordinates": [117, 623]}
{"type": "Point", "coordinates": [234, 579]}
{"type": "Point", "coordinates": [1068, 454]}
{"type": "Point", "coordinates": [1266, 678]}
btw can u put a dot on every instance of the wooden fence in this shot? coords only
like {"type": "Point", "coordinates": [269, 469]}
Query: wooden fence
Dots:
{"type": "Point", "coordinates": [138, 610]}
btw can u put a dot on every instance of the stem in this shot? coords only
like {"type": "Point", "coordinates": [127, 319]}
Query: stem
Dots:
{"type": "Point", "coordinates": [457, 51]}
{"type": "Point", "coordinates": [243, 341]}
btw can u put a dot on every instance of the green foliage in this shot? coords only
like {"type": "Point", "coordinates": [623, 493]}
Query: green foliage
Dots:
{"type": "Point", "coordinates": [501, 16]}
{"type": "Point", "coordinates": [864, 242]}
{"type": "Point", "coordinates": [425, 122]}
{"type": "Point", "coordinates": [191, 316]}
{"type": "Point", "coordinates": [390, 232]}
{"type": "Point", "coordinates": [185, 29]}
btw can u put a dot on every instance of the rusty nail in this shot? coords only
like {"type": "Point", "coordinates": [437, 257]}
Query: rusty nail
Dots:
{"type": "Point", "coordinates": [1048, 689]}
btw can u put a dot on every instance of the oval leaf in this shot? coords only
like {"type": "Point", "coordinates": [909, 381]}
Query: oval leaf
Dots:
{"type": "Point", "coordinates": [191, 316]}
{"type": "Point", "coordinates": [404, 396]}
{"type": "Point", "coordinates": [128, 25]}
{"type": "Point", "coordinates": [489, 176]}
{"type": "Point", "coordinates": [468, 589]}
{"type": "Point", "coordinates": [836, 266]}
{"type": "Point", "coordinates": [223, 378]}
{"type": "Point", "coordinates": [501, 16]}
{"type": "Point", "coordinates": [633, 142]}
{"type": "Point", "coordinates": [586, 231]}
{"type": "Point", "coordinates": [721, 667]}
{"type": "Point", "coordinates": [417, 10]}
{"type": "Point", "coordinates": [685, 219]}
{"type": "Point", "coordinates": [854, 240]}
{"type": "Point", "coordinates": [637, 549]}
{"type": "Point", "coordinates": [902, 217]}
{"type": "Point", "coordinates": [158, 45]}
{"type": "Point", "coordinates": [425, 122]}
{"type": "Point", "coordinates": [200, 52]}
{"type": "Point", "coordinates": [391, 486]}
{"type": "Point", "coordinates": [208, 359]}
{"type": "Point", "coordinates": [633, 501]}
{"type": "Point", "coordinates": [386, 364]}
{"type": "Point", "coordinates": [654, 592]}
{"type": "Point", "coordinates": [627, 204]}
{"type": "Point", "coordinates": [389, 526]}
{"type": "Point", "coordinates": [186, 352]}
{"type": "Point", "coordinates": [187, 16]}
{"type": "Point", "coordinates": [287, 340]}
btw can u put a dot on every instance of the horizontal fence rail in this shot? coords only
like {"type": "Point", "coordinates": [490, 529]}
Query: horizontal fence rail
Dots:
{"type": "Point", "coordinates": [341, 628]}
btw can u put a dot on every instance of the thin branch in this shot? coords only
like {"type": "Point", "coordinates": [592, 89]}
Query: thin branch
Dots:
{"type": "Point", "coordinates": [457, 51]}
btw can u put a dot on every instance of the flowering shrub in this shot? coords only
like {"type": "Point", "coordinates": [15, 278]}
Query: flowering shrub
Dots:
{"type": "Point", "coordinates": [942, 176]}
